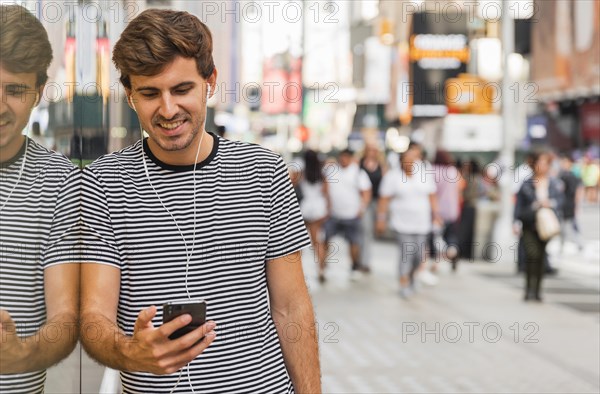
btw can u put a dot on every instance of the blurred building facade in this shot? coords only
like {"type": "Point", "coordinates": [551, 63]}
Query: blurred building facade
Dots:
{"type": "Point", "coordinates": [326, 75]}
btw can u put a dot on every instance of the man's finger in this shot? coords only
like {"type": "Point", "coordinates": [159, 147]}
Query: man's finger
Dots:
{"type": "Point", "coordinates": [190, 339]}
{"type": "Point", "coordinates": [144, 319]}
{"type": "Point", "coordinates": [191, 353]}
{"type": "Point", "coordinates": [5, 316]}
{"type": "Point", "coordinates": [170, 327]}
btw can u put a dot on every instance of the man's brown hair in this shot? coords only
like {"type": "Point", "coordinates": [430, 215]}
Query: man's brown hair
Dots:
{"type": "Point", "coordinates": [156, 37]}
{"type": "Point", "coordinates": [24, 44]}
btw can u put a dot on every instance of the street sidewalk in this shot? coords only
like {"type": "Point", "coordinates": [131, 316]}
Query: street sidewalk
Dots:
{"type": "Point", "coordinates": [472, 333]}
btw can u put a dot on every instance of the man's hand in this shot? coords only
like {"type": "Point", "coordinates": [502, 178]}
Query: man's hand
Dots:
{"type": "Point", "coordinates": [151, 350]}
{"type": "Point", "coordinates": [12, 348]}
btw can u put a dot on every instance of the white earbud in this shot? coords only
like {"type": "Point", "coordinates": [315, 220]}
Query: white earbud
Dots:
{"type": "Point", "coordinates": [132, 104]}
{"type": "Point", "coordinates": [208, 91]}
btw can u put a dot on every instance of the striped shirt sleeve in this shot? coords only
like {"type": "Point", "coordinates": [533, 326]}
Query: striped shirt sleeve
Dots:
{"type": "Point", "coordinates": [64, 243]}
{"type": "Point", "coordinates": [287, 233]}
{"type": "Point", "coordinates": [97, 235]}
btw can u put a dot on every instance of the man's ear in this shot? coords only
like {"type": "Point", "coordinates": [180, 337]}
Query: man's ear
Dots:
{"type": "Point", "coordinates": [129, 98]}
{"type": "Point", "coordinates": [212, 81]}
{"type": "Point", "coordinates": [38, 94]}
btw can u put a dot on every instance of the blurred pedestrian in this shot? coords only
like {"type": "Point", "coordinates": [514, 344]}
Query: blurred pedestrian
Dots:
{"type": "Point", "coordinates": [487, 210]}
{"type": "Point", "coordinates": [373, 164]}
{"type": "Point", "coordinates": [573, 192]}
{"type": "Point", "coordinates": [590, 175]}
{"type": "Point", "coordinates": [314, 205]}
{"type": "Point", "coordinates": [349, 196]}
{"type": "Point", "coordinates": [470, 175]}
{"type": "Point", "coordinates": [410, 199]}
{"type": "Point", "coordinates": [538, 191]}
{"type": "Point", "coordinates": [522, 172]}
{"type": "Point", "coordinates": [447, 180]}
{"type": "Point", "coordinates": [221, 131]}
{"type": "Point", "coordinates": [525, 171]}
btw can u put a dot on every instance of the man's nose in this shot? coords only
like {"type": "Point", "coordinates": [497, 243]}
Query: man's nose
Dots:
{"type": "Point", "coordinates": [168, 107]}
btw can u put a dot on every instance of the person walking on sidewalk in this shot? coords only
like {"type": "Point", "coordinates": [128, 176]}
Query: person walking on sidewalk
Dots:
{"type": "Point", "coordinates": [314, 205]}
{"type": "Point", "coordinates": [374, 165]}
{"type": "Point", "coordinates": [573, 195]}
{"type": "Point", "coordinates": [409, 196]}
{"type": "Point", "coordinates": [538, 191]}
{"type": "Point", "coordinates": [349, 196]}
{"type": "Point", "coordinates": [185, 214]}
{"type": "Point", "coordinates": [447, 181]}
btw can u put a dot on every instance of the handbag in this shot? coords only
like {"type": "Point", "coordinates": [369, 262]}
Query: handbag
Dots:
{"type": "Point", "coordinates": [546, 223]}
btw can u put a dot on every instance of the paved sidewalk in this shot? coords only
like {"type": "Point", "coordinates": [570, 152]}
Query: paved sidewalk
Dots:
{"type": "Point", "coordinates": [472, 333]}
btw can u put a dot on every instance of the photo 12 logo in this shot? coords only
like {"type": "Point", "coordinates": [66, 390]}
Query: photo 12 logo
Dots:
{"type": "Point", "coordinates": [454, 332]}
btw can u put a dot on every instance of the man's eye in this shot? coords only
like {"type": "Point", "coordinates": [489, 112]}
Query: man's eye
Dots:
{"type": "Point", "coordinates": [148, 95]}
{"type": "Point", "coordinates": [16, 91]}
{"type": "Point", "coordinates": [182, 91]}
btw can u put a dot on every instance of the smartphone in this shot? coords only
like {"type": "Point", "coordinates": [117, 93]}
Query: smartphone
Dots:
{"type": "Point", "coordinates": [194, 308]}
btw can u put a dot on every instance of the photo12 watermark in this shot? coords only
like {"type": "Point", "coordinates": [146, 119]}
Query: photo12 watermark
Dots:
{"type": "Point", "coordinates": [471, 332]}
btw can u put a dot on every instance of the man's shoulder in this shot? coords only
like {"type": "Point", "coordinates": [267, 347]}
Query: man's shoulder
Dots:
{"type": "Point", "coordinates": [239, 152]}
{"type": "Point", "coordinates": [42, 157]}
{"type": "Point", "coordinates": [126, 157]}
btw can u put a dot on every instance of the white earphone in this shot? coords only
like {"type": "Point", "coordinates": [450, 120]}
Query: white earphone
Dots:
{"type": "Point", "coordinates": [208, 91]}
{"type": "Point", "coordinates": [131, 102]}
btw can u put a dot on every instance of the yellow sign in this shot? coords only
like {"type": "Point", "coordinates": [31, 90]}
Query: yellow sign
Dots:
{"type": "Point", "coordinates": [439, 46]}
{"type": "Point", "coordinates": [469, 94]}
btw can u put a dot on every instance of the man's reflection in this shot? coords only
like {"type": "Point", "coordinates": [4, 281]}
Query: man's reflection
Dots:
{"type": "Point", "coordinates": [39, 203]}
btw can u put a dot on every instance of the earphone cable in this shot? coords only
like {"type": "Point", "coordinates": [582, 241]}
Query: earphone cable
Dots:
{"type": "Point", "coordinates": [22, 169]}
{"type": "Point", "coordinates": [187, 252]}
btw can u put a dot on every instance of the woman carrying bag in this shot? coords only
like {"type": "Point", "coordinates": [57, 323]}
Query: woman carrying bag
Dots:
{"type": "Point", "coordinates": [538, 206]}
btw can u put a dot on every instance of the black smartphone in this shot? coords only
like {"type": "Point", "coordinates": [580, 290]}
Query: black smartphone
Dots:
{"type": "Point", "coordinates": [195, 308]}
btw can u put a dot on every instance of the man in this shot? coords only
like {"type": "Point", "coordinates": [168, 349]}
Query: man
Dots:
{"type": "Point", "coordinates": [409, 196]}
{"type": "Point", "coordinates": [184, 214]}
{"type": "Point", "coordinates": [349, 195]}
{"type": "Point", "coordinates": [38, 205]}
{"type": "Point", "coordinates": [573, 194]}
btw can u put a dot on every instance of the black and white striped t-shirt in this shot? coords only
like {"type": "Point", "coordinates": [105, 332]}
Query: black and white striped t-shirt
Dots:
{"type": "Point", "coordinates": [33, 220]}
{"type": "Point", "coordinates": [247, 213]}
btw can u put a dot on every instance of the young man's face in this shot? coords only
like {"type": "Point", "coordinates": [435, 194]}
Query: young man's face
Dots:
{"type": "Point", "coordinates": [171, 107]}
{"type": "Point", "coordinates": [345, 159]}
{"type": "Point", "coordinates": [17, 98]}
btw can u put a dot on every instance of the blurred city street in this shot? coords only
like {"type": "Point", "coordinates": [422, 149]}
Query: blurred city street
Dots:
{"type": "Point", "coordinates": [470, 122]}
{"type": "Point", "coordinates": [470, 333]}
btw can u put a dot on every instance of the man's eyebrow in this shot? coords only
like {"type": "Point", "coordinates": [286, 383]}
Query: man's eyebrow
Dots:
{"type": "Point", "coordinates": [184, 85]}
{"type": "Point", "coordinates": [178, 86]}
{"type": "Point", "coordinates": [145, 88]}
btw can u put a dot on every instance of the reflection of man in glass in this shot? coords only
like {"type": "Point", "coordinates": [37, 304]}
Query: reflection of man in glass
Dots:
{"type": "Point", "coordinates": [185, 214]}
{"type": "Point", "coordinates": [38, 294]}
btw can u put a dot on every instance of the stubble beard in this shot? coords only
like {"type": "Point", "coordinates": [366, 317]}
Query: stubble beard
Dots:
{"type": "Point", "coordinates": [168, 145]}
